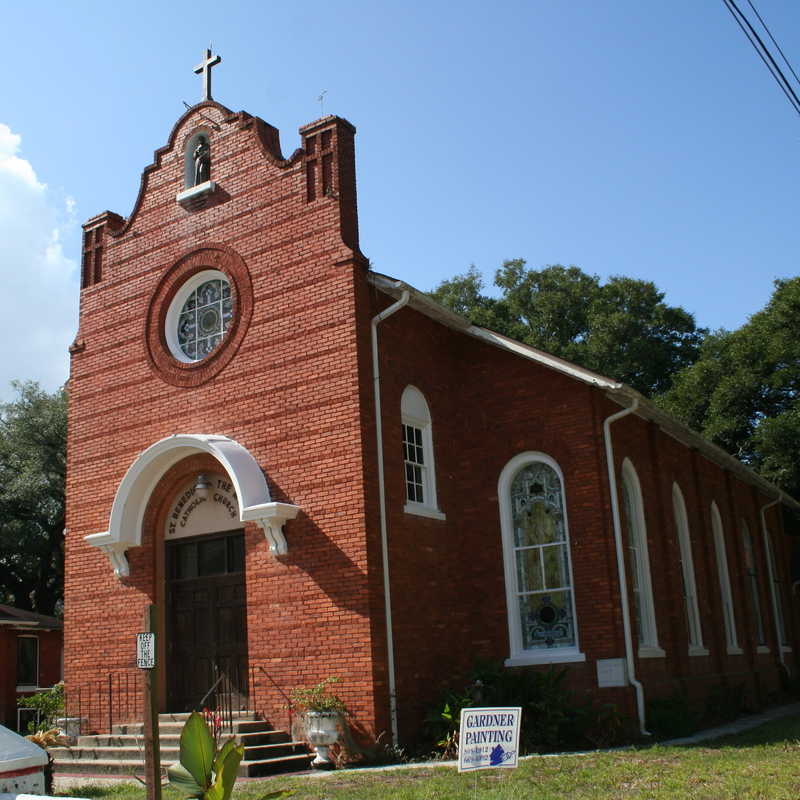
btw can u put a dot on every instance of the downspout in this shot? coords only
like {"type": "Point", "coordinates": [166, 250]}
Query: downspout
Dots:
{"type": "Point", "coordinates": [376, 377]}
{"type": "Point", "coordinates": [770, 553]}
{"type": "Point", "coordinates": [623, 583]}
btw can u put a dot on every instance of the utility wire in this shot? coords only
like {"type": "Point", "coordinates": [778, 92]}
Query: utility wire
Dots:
{"type": "Point", "coordinates": [769, 33]}
{"type": "Point", "coordinates": [764, 54]}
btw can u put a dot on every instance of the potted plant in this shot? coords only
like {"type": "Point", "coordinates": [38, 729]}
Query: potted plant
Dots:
{"type": "Point", "coordinates": [323, 712]}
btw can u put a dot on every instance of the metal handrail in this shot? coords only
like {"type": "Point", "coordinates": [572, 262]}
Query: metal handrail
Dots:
{"type": "Point", "coordinates": [289, 706]}
{"type": "Point", "coordinates": [214, 686]}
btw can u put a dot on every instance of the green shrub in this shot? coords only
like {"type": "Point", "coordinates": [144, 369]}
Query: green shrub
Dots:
{"type": "Point", "coordinates": [318, 698]}
{"type": "Point", "coordinates": [553, 718]}
{"type": "Point", "coordinates": [671, 717]}
{"type": "Point", "coordinates": [50, 705]}
{"type": "Point", "coordinates": [725, 703]}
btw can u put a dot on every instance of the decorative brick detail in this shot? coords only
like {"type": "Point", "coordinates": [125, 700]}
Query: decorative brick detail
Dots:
{"type": "Point", "coordinates": [94, 232]}
{"type": "Point", "coordinates": [163, 362]}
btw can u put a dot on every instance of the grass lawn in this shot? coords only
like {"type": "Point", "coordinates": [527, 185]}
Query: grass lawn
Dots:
{"type": "Point", "coordinates": [762, 763]}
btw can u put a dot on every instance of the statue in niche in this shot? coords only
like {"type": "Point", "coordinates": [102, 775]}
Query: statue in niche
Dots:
{"type": "Point", "coordinates": [202, 161]}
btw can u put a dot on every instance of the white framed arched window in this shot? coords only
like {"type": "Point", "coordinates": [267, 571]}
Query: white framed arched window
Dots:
{"type": "Point", "coordinates": [776, 592]}
{"type": "Point", "coordinates": [694, 629]}
{"type": "Point", "coordinates": [728, 616]}
{"type": "Point", "coordinates": [751, 577]}
{"type": "Point", "coordinates": [639, 559]}
{"type": "Point", "coordinates": [540, 601]}
{"type": "Point", "coordinates": [418, 462]}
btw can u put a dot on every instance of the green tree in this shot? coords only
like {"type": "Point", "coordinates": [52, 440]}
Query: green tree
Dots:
{"type": "Point", "coordinates": [743, 391]}
{"type": "Point", "coordinates": [622, 328]}
{"type": "Point", "coordinates": [33, 433]}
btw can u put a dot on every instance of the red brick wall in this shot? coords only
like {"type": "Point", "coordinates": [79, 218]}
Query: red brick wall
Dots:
{"type": "Point", "coordinates": [449, 602]}
{"type": "Point", "coordinates": [291, 396]}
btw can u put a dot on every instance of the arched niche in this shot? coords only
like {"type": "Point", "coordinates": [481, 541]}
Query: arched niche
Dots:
{"type": "Point", "coordinates": [199, 137]}
{"type": "Point", "coordinates": [130, 502]}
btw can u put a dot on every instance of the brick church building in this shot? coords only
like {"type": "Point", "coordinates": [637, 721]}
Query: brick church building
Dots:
{"type": "Point", "coordinates": [314, 470]}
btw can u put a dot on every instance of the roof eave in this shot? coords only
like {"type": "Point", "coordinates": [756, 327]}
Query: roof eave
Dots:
{"type": "Point", "coordinates": [616, 391]}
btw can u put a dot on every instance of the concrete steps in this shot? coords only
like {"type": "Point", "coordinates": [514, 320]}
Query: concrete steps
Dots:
{"type": "Point", "coordinates": [267, 751]}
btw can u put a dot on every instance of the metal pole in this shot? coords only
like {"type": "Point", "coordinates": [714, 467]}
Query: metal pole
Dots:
{"type": "Point", "coordinates": [110, 715]}
{"type": "Point", "coordinates": [152, 748]}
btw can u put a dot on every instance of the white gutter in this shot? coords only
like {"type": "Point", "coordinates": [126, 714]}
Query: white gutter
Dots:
{"type": "Point", "coordinates": [770, 553]}
{"type": "Point", "coordinates": [376, 377]}
{"type": "Point", "coordinates": [623, 582]}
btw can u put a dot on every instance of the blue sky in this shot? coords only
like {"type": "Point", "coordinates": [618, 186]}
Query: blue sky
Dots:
{"type": "Point", "coordinates": [635, 137]}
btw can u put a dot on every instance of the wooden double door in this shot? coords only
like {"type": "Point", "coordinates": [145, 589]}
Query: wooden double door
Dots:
{"type": "Point", "coordinates": [206, 622]}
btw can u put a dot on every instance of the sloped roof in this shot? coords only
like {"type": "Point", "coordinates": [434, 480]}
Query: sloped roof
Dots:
{"type": "Point", "coordinates": [616, 391]}
{"type": "Point", "coordinates": [19, 618]}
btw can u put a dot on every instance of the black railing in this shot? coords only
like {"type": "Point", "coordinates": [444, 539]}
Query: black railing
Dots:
{"type": "Point", "coordinates": [117, 697]}
{"type": "Point", "coordinates": [227, 698]}
{"type": "Point", "coordinates": [253, 692]}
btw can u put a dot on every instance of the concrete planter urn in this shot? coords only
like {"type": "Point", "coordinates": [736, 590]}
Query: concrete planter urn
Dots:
{"type": "Point", "coordinates": [323, 715]}
{"type": "Point", "coordinates": [323, 730]}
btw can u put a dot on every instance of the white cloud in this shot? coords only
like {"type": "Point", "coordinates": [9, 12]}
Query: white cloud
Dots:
{"type": "Point", "coordinates": [39, 314]}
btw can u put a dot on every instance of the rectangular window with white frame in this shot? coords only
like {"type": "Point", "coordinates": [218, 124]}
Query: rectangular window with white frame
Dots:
{"type": "Point", "coordinates": [27, 662]}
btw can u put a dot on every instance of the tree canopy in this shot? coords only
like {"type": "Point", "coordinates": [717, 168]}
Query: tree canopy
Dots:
{"type": "Point", "coordinates": [33, 433]}
{"type": "Point", "coordinates": [622, 328]}
{"type": "Point", "coordinates": [742, 393]}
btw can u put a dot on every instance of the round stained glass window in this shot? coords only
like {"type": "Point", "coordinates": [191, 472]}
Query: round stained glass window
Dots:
{"type": "Point", "coordinates": [199, 316]}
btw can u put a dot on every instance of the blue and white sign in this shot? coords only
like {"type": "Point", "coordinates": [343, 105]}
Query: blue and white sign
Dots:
{"type": "Point", "coordinates": [489, 738]}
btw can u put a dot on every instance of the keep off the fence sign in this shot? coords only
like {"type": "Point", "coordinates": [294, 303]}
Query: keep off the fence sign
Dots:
{"type": "Point", "coordinates": [489, 738]}
{"type": "Point", "coordinates": [145, 650]}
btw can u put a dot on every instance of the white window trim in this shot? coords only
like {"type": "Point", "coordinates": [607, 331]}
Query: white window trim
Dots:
{"type": "Point", "coordinates": [430, 508]}
{"type": "Point", "coordinates": [26, 687]}
{"type": "Point", "coordinates": [694, 624]}
{"type": "Point", "coordinates": [648, 647]}
{"type": "Point", "coordinates": [726, 595]}
{"type": "Point", "coordinates": [778, 609]}
{"type": "Point", "coordinates": [650, 651]}
{"type": "Point", "coordinates": [176, 306]}
{"type": "Point", "coordinates": [519, 656]}
{"type": "Point", "coordinates": [753, 587]}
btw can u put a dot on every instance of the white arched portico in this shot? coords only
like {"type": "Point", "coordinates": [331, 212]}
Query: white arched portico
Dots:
{"type": "Point", "coordinates": [133, 494]}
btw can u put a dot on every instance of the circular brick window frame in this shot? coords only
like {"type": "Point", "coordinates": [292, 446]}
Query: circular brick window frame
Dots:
{"type": "Point", "coordinates": [195, 373]}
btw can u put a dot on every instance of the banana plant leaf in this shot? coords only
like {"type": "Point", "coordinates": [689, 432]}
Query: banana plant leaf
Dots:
{"type": "Point", "coordinates": [222, 754]}
{"type": "Point", "coordinates": [225, 776]}
{"type": "Point", "coordinates": [197, 750]}
{"type": "Point", "coordinates": [182, 780]}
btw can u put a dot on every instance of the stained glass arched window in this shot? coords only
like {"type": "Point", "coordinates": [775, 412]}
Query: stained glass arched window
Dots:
{"type": "Point", "coordinates": [541, 605]}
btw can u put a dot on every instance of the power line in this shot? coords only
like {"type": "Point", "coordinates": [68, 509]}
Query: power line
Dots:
{"type": "Point", "coordinates": [769, 33]}
{"type": "Point", "coordinates": [764, 54]}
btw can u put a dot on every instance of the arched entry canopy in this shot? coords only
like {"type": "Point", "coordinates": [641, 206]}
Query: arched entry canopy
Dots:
{"type": "Point", "coordinates": [133, 494]}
